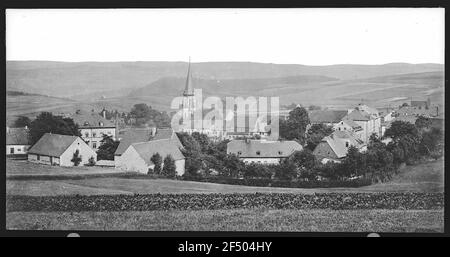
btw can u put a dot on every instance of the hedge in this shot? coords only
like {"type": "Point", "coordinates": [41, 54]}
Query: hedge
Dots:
{"type": "Point", "coordinates": [149, 202]}
{"type": "Point", "coordinates": [267, 182]}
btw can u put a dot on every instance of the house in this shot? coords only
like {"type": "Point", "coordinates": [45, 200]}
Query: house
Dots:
{"type": "Point", "coordinates": [55, 149]}
{"type": "Point", "coordinates": [140, 135]}
{"type": "Point", "coordinates": [421, 104]}
{"type": "Point", "coordinates": [432, 111]}
{"type": "Point", "coordinates": [350, 125]}
{"type": "Point", "coordinates": [137, 157]}
{"type": "Point", "coordinates": [327, 117]}
{"type": "Point", "coordinates": [263, 151]}
{"type": "Point", "coordinates": [93, 126]}
{"type": "Point", "coordinates": [367, 118]}
{"type": "Point", "coordinates": [335, 147]}
{"type": "Point", "coordinates": [17, 142]}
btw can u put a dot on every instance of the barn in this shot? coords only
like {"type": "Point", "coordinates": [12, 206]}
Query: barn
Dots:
{"type": "Point", "coordinates": [137, 156]}
{"type": "Point", "coordinates": [55, 149]}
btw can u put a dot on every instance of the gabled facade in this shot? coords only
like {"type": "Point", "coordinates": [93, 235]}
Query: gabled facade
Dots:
{"type": "Point", "coordinates": [55, 149]}
{"type": "Point", "coordinates": [335, 147]}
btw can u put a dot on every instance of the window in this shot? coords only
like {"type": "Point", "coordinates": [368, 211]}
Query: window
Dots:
{"type": "Point", "coordinates": [38, 157]}
{"type": "Point", "coordinates": [346, 144]}
{"type": "Point", "coordinates": [18, 149]}
{"type": "Point", "coordinates": [86, 134]}
{"type": "Point", "coordinates": [258, 153]}
{"type": "Point", "coordinates": [239, 153]}
{"type": "Point", "coordinates": [280, 152]}
{"type": "Point", "coordinates": [94, 144]}
{"type": "Point", "coordinates": [11, 150]}
{"type": "Point", "coordinates": [94, 134]}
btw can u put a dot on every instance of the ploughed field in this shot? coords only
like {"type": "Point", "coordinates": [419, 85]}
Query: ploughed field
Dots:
{"type": "Point", "coordinates": [412, 201]}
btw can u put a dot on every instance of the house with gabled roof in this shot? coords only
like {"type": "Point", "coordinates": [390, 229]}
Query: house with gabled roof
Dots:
{"type": "Point", "coordinates": [17, 142]}
{"type": "Point", "coordinates": [327, 117]}
{"type": "Point", "coordinates": [55, 149]}
{"type": "Point", "coordinates": [335, 146]}
{"type": "Point", "coordinates": [140, 135]}
{"type": "Point", "coordinates": [93, 127]}
{"type": "Point", "coordinates": [262, 151]}
{"type": "Point", "coordinates": [367, 118]}
{"type": "Point", "coordinates": [137, 156]}
{"type": "Point", "coordinates": [350, 125]}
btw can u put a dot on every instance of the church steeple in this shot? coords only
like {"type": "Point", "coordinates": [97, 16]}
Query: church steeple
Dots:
{"type": "Point", "coordinates": [189, 90]}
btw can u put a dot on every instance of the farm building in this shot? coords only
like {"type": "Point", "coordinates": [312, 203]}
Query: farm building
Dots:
{"type": "Point", "coordinates": [140, 135]}
{"type": "Point", "coordinates": [335, 146]}
{"type": "Point", "coordinates": [55, 149]}
{"type": "Point", "coordinates": [93, 126]}
{"type": "Point", "coordinates": [17, 143]}
{"type": "Point", "coordinates": [327, 117]}
{"type": "Point", "coordinates": [137, 157]}
{"type": "Point", "coordinates": [262, 151]}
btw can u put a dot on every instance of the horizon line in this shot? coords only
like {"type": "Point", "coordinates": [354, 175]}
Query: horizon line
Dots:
{"type": "Point", "coordinates": [368, 64]}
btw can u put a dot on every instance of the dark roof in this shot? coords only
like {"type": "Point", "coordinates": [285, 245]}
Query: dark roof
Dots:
{"type": "Point", "coordinates": [52, 144]}
{"type": "Point", "coordinates": [163, 146]}
{"type": "Point", "coordinates": [167, 133]}
{"type": "Point", "coordinates": [17, 136]}
{"type": "Point", "coordinates": [266, 149]}
{"type": "Point", "coordinates": [133, 136]}
{"type": "Point", "coordinates": [90, 119]}
{"type": "Point", "coordinates": [358, 115]}
{"type": "Point", "coordinates": [326, 116]}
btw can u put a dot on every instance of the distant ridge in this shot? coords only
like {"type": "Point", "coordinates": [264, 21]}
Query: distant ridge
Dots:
{"type": "Point", "coordinates": [68, 79]}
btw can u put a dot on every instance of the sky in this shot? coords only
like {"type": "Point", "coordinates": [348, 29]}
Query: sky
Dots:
{"type": "Point", "coordinates": [282, 36]}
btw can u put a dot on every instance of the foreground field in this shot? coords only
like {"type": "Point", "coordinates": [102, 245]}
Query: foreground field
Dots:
{"type": "Point", "coordinates": [235, 220]}
{"type": "Point", "coordinates": [427, 177]}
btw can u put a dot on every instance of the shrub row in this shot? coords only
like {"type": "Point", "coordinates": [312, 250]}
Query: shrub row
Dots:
{"type": "Point", "coordinates": [150, 202]}
{"type": "Point", "coordinates": [267, 182]}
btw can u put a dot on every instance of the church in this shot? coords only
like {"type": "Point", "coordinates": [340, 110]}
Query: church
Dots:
{"type": "Point", "coordinates": [192, 103]}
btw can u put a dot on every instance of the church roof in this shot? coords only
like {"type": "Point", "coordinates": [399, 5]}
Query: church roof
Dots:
{"type": "Point", "coordinates": [188, 90]}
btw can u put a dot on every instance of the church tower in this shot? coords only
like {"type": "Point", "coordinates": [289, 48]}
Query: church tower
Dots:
{"type": "Point", "coordinates": [188, 96]}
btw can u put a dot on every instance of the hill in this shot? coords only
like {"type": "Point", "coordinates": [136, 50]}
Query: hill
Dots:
{"type": "Point", "coordinates": [89, 80]}
{"type": "Point", "coordinates": [318, 90]}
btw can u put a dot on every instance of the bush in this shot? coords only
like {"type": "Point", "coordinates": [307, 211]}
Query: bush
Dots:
{"type": "Point", "coordinates": [91, 161]}
{"type": "Point", "coordinates": [409, 200]}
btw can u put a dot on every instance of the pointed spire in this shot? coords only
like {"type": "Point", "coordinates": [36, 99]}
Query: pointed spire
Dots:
{"type": "Point", "coordinates": [189, 90]}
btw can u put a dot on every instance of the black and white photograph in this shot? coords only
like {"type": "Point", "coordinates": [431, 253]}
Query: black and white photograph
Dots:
{"type": "Point", "coordinates": [225, 120]}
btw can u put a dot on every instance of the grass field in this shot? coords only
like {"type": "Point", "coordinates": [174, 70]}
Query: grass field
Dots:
{"type": "Point", "coordinates": [427, 177]}
{"type": "Point", "coordinates": [235, 220]}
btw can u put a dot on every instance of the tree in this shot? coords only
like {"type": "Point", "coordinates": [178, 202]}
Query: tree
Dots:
{"type": "Point", "coordinates": [107, 148]}
{"type": "Point", "coordinates": [422, 123]}
{"type": "Point", "coordinates": [156, 159]}
{"type": "Point", "coordinates": [22, 121]}
{"type": "Point", "coordinates": [47, 123]}
{"type": "Point", "coordinates": [286, 170]}
{"type": "Point", "coordinates": [232, 166]}
{"type": "Point", "coordinates": [91, 161]}
{"type": "Point", "coordinates": [76, 158]}
{"type": "Point", "coordinates": [430, 141]}
{"type": "Point", "coordinates": [399, 129]}
{"type": "Point", "coordinates": [316, 133]}
{"type": "Point", "coordinates": [169, 168]}
{"type": "Point", "coordinates": [295, 126]}
{"type": "Point", "coordinates": [314, 107]}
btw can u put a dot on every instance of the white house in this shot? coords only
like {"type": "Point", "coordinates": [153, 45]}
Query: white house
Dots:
{"type": "Point", "coordinates": [262, 151]}
{"type": "Point", "coordinates": [55, 149]}
{"type": "Point", "coordinates": [367, 118]}
{"type": "Point", "coordinates": [17, 142]}
{"type": "Point", "coordinates": [137, 157]}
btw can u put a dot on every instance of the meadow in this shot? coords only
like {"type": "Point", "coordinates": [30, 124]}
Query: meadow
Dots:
{"type": "Point", "coordinates": [422, 178]}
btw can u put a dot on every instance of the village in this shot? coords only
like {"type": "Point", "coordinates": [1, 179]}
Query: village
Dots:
{"type": "Point", "coordinates": [134, 148]}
